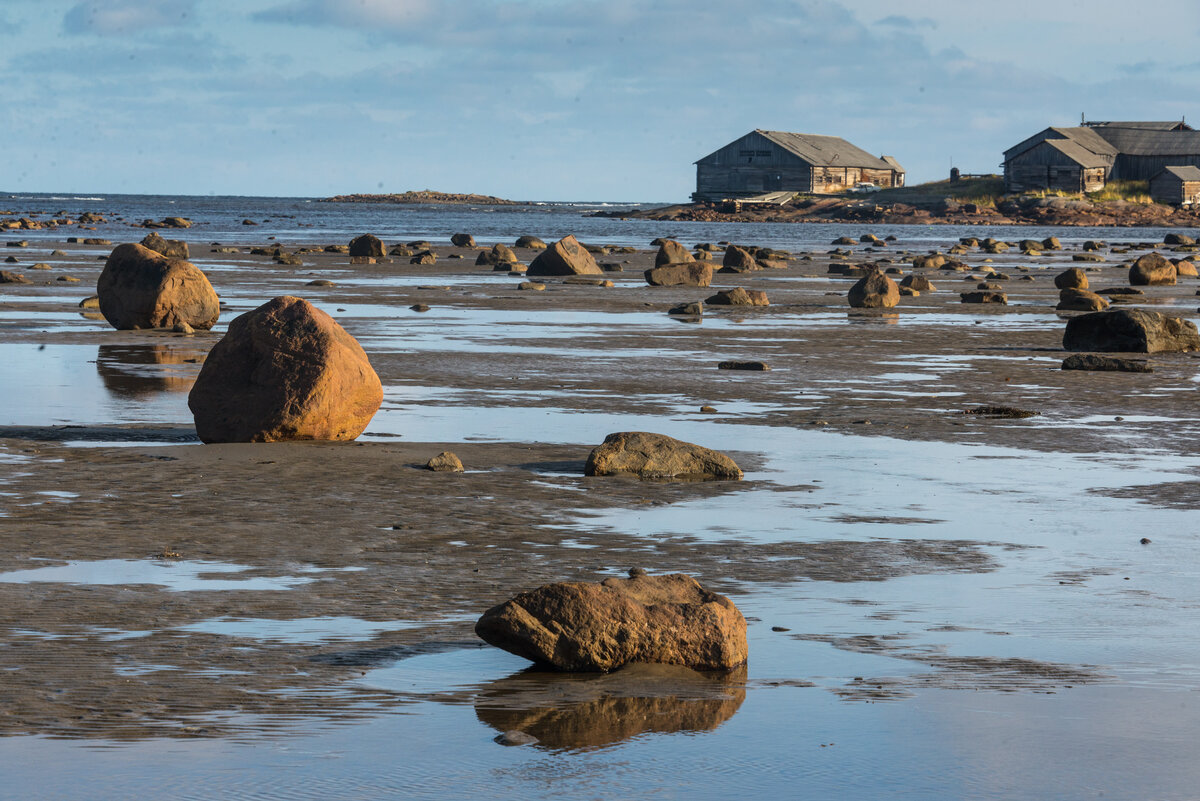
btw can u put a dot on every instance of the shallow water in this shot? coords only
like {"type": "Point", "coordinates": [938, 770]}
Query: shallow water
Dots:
{"type": "Point", "coordinates": [173, 575]}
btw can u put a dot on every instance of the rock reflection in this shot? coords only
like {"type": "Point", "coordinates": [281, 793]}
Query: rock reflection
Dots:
{"type": "Point", "coordinates": [868, 316]}
{"type": "Point", "coordinates": [132, 371]}
{"type": "Point", "coordinates": [581, 711]}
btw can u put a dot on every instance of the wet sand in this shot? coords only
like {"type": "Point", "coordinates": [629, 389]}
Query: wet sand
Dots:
{"type": "Point", "coordinates": [909, 553]}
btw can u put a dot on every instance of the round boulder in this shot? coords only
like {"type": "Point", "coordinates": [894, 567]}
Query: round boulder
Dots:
{"type": "Point", "coordinates": [366, 246]}
{"type": "Point", "coordinates": [1073, 278]}
{"type": "Point", "coordinates": [285, 371]}
{"type": "Point", "coordinates": [139, 288]}
{"type": "Point", "coordinates": [874, 291]}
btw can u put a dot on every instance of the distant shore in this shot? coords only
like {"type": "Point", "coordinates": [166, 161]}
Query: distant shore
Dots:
{"type": "Point", "coordinates": [424, 196]}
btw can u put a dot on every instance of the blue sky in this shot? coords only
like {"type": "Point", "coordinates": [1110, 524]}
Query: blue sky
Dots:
{"type": "Point", "coordinates": [552, 100]}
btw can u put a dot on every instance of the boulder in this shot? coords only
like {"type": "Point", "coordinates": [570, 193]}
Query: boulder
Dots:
{"type": "Point", "coordinates": [367, 245]}
{"type": "Point", "coordinates": [737, 260]}
{"type": "Point", "coordinates": [499, 255]}
{"type": "Point", "coordinates": [750, 366]}
{"type": "Point", "coordinates": [1051, 243]}
{"type": "Point", "coordinates": [176, 222]}
{"type": "Point", "coordinates": [530, 243]}
{"type": "Point", "coordinates": [984, 297]}
{"type": "Point", "coordinates": [657, 456]}
{"type": "Point", "coordinates": [565, 257]}
{"type": "Point", "coordinates": [445, 462]}
{"type": "Point", "coordinates": [671, 252]}
{"type": "Point", "coordinates": [1080, 300]}
{"type": "Point", "coordinates": [138, 288]}
{"type": "Point", "coordinates": [687, 309]}
{"type": "Point", "coordinates": [1088, 257]}
{"type": "Point", "coordinates": [285, 371]}
{"type": "Point", "coordinates": [1072, 278]}
{"type": "Point", "coordinates": [874, 291]}
{"type": "Point", "coordinates": [739, 297]}
{"type": "Point", "coordinates": [577, 626]}
{"type": "Point", "coordinates": [424, 257]}
{"type": "Point", "coordinates": [1178, 239]}
{"type": "Point", "coordinates": [1105, 364]}
{"type": "Point", "coordinates": [844, 240]}
{"type": "Point", "coordinates": [1152, 270]}
{"type": "Point", "coordinates": [917, 282]}
{"type": "Point", "coordinates": [9, 277]}
{"type": "Point", "coordinates": [171, 248]}
{"type": "Point", "coordinates": [1130, 330]}
{"type": "Point", "coordinates": [462, 241]}
{"type": "Point", "coordinates": [1185, 267]}
{"type": "Point", "coordinates": [930, 262]}
{"type": "Point", "coordinates": [693, 274]}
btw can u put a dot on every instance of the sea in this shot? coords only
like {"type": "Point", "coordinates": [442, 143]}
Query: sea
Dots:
{"type": "Point", "coordinates": [221, 218]}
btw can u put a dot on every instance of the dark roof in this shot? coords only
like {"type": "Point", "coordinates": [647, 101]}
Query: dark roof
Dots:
{"type": "Point", "coordinates": [824, 151]}
{"type": "Point", "coordinates": [1083, 137]}
{"type": "Point", "coordinates": [892, 161]}
{"type": "Point", "coordinates": [1173, 125]}
{"type": "Point", "coordinates": [1142, 142]}
{"type": "Point", "coordinates": [1187, 173]}
{"type": "Point", "coordinates": [1080, 154]}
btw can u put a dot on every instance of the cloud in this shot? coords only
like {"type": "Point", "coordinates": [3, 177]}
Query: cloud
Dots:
{"type": "Point", "coordinates": [369, 14]}
{"type": "Point", "coordinates": [112, 17]}
{"type": "Point", "coordinates": [906, 23]}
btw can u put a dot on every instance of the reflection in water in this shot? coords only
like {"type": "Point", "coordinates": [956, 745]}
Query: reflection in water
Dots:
{"type": "Point", "coordinates": [870, 316]}
{"type": "Point", "coordinates": [570, 711]}
{"type": "Point", "coordinates": [131, 371]}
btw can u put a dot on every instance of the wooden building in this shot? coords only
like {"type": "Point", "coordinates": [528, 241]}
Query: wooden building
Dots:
{"type": "Point", "coordinates": [779, 161]}
{"type": "Point", "coordinates": [1178, 186]}
{"type": "Point", "coordinates": [1085, 158]}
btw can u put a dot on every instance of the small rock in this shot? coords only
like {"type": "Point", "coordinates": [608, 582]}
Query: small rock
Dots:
{"type": "Point", "coordinates": [462, 241]}
{"type": "Point", "coordinates": [688, 309]}
{"type": "Point", "coordinates": [1108, 364]}
{"type": "Point", "coordinates": [759, 366]}
{"type": "Point", "coordinates": [531, 286]}
{"type": "Point", "coordinates": [708, 409]}
{"type": "Point", "coordinates": [419, 307]}
{"type": "Point", "coordinates": [320, 282]}
{"type": "Point", "coordinates": [445, 462]}
{"type": "Point", "coordinates": [515, 738]}
{"type": "Point", "coordinates": [984, 297]}
{"type": "Point", "coordinates": [182, 327]}
{"type": "Point", "coordinates": [656, 456]}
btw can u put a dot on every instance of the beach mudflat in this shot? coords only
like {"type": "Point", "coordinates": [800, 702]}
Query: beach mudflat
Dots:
{"type": "Point", "coordinates": [941, 604]}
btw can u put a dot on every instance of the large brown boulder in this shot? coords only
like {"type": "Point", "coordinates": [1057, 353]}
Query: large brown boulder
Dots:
{"type": "Point", "coordinates": [657, 456]}
{"type": "Point", "coordinates": [739, 297]}
{"type": "Point", "coordinates": [1071, 278]}
{"type": "Point", "coordinates": [874, 291]}
{"type": "Point", "coordinates": [1152, 270]}
{"type": "Point", "coordinates": [171, 248]}
{"type": "Point", "coordinates": [695, 274]}
{"type": "Point", "coordinates": [462, 241]}
{"type": "Point", "coordinates": [920, 283]}
{"type": "Point", "coordinates": [285, 371]}
{"type": "Point", "coordinates": [575, 626]}
{"type": "Point", "coordinates": [366, 246]}
{"type": "Point", "coordinates": [138, 288]}
{"type": "Point", "coordinates": [738, 260]}
{"type": "Point", "coordinates": [671, 252]}
{"type": "Point", "coordinates": [1080, 300]}
{"type": "Point", "coordinates": [499, 254]}
{"type": "Point", "coordinates": [1130, 330]}
{"type": "Point", "coordinates": [565, 257]}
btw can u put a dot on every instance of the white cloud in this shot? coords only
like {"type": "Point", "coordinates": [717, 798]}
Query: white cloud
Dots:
{"type": "Point", "coordinates": [109, 17]}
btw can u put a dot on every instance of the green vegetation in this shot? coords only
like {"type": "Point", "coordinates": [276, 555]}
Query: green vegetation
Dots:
{"type": "Point", "coordinates": [984, 191]}
{"type": "Point", "coordinates": [1129, 191]}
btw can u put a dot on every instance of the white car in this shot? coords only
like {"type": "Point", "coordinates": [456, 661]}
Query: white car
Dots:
{"type": "Point", "coordinates": [864, 187]}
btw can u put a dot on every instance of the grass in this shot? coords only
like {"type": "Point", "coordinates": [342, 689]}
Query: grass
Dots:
{"type": "Point", "coordinates": [1129, 191]}
{"type": "Point", "coordinates": [980, 191]}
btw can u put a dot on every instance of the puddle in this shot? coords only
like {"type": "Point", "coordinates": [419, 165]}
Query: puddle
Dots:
{"type": "Point", "coordinates": [174, 576]}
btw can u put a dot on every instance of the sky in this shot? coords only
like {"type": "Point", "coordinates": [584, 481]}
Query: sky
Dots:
{"type": "Point", "coordinates": [588, 100]}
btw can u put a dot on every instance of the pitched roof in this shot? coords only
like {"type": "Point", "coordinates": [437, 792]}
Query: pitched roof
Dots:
{"type": "Point", "coordinates": [1079, 154]}
{"type": "Point", "coordinates": [1187, 173]}
{"type": "Point", "coordinates": [1173, 125]}
{"type": "Point", "coordinates": [1143, 142]}
{"type": "Point", "coordinates": [895, 164]}
{"type": "Point", "coordinates": [1083, 137]}
{"type": "Point", "coordinates": [824, 151]}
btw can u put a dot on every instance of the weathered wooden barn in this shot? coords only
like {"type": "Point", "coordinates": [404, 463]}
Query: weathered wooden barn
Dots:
{"type": "Point", "coordinates": [1085, 158]}
{"type": "Point", "coordinates": [1178, 186]}
{"type": "Point", "coordinates": [779, 161]}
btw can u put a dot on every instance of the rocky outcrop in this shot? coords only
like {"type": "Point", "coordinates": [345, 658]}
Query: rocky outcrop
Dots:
{"type": "Point", "coordinates": [694, 274]}
{"type": "Point", "coordinates": [874, 291]}
{"type": "Point", "coordinates": [138, 288]}
{"type": "Point", "coordinates": [366, 246]}
{"type": "Point", "coordinates": [285, 371]}
{"type": "Point", "coordinates": [171, 248]}
{"type": "Point", "coordinates": [575, 626]}
{"type": "Point", "coordinates": [565, 257]}
{"type": "Point", "coordinates": [1130, 330]}
{"type": "Point", "coordinates": [1152, 270]}
{"type": "Point", "coordinates": [656, 456]}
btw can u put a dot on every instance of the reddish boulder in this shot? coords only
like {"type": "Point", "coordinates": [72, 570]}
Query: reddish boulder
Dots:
{"type": "Point", "coordinates": [139, 288]}
{"type": "Point", "coordinates": [919, 283]}
{"type": "Point", "coordinates": [874, 291]}
{"type": "Point", "coordinates": [285, 371]}
{"type": "Point", "coordinates": [1072, 278]}
{"type": "Point", "coordinates": [171, 248]}
{"type": "Point", "coordinates": [565, 257]}
{"type": "Point", "coordinates": [738, 260]}
{"type": "Point", "coordinates": [739, 297]}
{"type": "Point", "coordinates": [575, 626]}
{"type": "Point", "coordinates": [671, 252]}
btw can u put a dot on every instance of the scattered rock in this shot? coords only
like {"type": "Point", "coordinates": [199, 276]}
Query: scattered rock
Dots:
{"type": "Point", "coordinates": [688, 309]}
{"type": "Point", "coordinates": [92, 302]}
{"type": "Point", "coordinates": [1051, 243]}
{"type": "Point", "coordinates": [692, 274]}
{"type": "Point", "coordinates": [532, 286]}
{"type": "Point", "coordinates": [1073, 278]}
{"type": "Point", "coordinates": [183, 328]}
{"type": "Point", "coordinates": [671, 252]}
{"type": "Point", "coordinates": [656, 456]}
{"type": "Point", "coordinates": [500, 256]}
{"type": "Point", "coordinates": [285, 371]}
{"type": "Point", "coordinates": [738, 297]}
{"type": "Point", "coordinates": [445, 462]}
{"type": "Point", "coordinates": [9, 277]}
{"type": "Point", "coordinates": [1178, 239]}
{"type": "Point", "coordinates": [708, 409]}
{"type": "Point", "coordinates": [138, 288]}
{"type": "Point", "coordinates": [1152, 270]}
{"type": "Point", "coordinates": [368, 246]}
{"type": "Point", "coordinates": [515, 738]}
{"type": "Point", "coordinates": [320, 282]}
{"type": "Point", "coordinates": [917, 282]}
{"type": "Point", "coordinates": [737, 260]}
{"type": "Point", "coordinates": [1108, 364]}
{"type": "Point", "coordinates": [933, 261]}
{"type": "Point", "coordinates": [530, 243]}
{"type": "Point", "coordinates": [419, 307]}
{"type": "Point", "coordinates": [462, 241]}
{"type": "Point", "coordinates": [1007, 412]}
{"type": "Point", "coordinates": [171, 248]}
{"type": "Point", "coordinates": [984, 297]}
{"type": "Point", "coordinates": [1185, 267]}
{"type": "Point", "coordinates": [753, 366]}
{"type": "Point", "coordinates": [424, 257]}
{"type": "Point", "coordinates": [1130, 330]}
{"type": "Point", "coordinates": [874, 291]}
{"type": "Point", "coordinates": [1080, 300]}
{"type": "Point", "coordinates": [1086, 257]}
{"type": "Point", "coordinates": [668, 619]}
{"type": "Point", "coordinates": [41, 265]}
{"type": "Point", "coordinates": [579, 280]}
{"type": "Point", "coordinates": [565, 257]}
